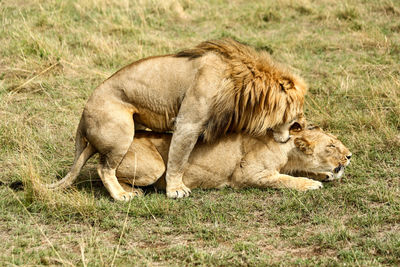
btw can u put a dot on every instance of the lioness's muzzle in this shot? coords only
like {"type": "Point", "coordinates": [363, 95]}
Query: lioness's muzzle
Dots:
{"type": "Point", "coordinates": [338, 168]}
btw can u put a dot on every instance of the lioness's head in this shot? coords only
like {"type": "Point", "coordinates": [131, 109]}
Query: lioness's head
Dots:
{"type": "Point", "coordinates": [318, 152]}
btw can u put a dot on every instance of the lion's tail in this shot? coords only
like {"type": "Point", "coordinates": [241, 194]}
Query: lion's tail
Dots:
{"type": "Point", "coordinates": [83, 151]}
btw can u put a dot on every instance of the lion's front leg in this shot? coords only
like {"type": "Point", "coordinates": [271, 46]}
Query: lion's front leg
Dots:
{"type": "Point", "coordinates": [183, 140]}
{"type": "Point", "coordinates": [189, 124]}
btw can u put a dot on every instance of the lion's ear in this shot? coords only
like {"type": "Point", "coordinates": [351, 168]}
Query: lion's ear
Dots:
{"type": "Point", "coordinates": [286, 84]}
{"type": "Point", "coordinates": [304, 145]}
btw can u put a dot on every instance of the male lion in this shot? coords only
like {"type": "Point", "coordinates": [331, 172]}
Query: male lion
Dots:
{"type": "Point", "coordinates": [239, 160]}
{"type": "Point", "coordinates": [217, 87]}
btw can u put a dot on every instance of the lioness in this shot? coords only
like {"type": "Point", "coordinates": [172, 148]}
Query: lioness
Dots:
{"type": "Point", "coordinates": [217, 87]}
{"type": "Point", "coordinates": [239, 160]}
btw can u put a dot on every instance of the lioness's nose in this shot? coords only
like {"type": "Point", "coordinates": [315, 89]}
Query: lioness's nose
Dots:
{"type": "Point", "coordinates": [349, 156]}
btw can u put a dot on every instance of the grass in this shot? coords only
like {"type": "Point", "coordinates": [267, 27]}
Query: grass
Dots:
{"type": "Point", "coordinates": [54, 53]}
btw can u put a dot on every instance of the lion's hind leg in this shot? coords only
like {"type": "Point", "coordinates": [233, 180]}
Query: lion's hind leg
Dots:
{"type": "Point", "coordinates": [110, 129]}
{"type": "Point", "coordinates": [107, 173]}
{"type": "Point", "coordinates": [128, 187]}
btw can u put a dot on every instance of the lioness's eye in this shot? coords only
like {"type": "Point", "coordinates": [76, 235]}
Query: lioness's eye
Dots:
{"type": "Point", "coordinates": [331, 145]}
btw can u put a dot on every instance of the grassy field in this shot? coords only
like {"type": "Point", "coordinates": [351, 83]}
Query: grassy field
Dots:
{"type": "Point", "coordinates": [54, 53]}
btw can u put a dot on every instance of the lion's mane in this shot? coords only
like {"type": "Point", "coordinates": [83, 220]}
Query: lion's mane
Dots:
{"type": "Point", "coordinates": [257, 93]}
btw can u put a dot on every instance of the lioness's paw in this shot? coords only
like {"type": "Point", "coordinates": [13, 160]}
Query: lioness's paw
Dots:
{"type": "Point", "coordinates": [124, 196]}
{"type": "Point", "coordinates": [312, 185]}
{"type": "Point", "coordinates": [329, 176]}
{"type": "Point", "coordinates": [178, 192]}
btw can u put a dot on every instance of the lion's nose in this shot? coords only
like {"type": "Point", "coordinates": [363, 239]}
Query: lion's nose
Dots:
{"type": "Point", "coordinates": [349, 156]}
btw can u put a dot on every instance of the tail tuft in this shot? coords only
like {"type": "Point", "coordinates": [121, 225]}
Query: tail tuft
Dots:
{"type": "Point", "coordinates": [83, 151]}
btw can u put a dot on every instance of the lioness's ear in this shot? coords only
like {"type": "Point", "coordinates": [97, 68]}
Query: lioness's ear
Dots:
{"type": "Point", "coordinates": [313, 127]}
{"type": "Point", "coordinates": [304, 146]}
{"type": "Point", "coordinates": [286, 84]}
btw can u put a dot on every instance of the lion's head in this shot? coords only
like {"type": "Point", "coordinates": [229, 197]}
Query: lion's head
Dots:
{"type": "Point", "coordinates": [256, 95]}
{"type": "Point", "coordinates": [318, 152]}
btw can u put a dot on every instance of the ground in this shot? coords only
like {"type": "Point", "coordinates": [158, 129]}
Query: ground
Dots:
{"type": "Point", "coordinates": [54, 53]}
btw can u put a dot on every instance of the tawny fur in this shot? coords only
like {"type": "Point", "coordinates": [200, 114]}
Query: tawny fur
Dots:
{"type": "Point", "coordinates": [257, 94]}
{"type": "Point", "coordinates": [239, 160]}
{"type": "Point", "coordinates": [218, 87]}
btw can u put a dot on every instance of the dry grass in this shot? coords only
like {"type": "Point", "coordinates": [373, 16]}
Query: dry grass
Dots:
{"type": "Point", "coordinates": [54, 53]}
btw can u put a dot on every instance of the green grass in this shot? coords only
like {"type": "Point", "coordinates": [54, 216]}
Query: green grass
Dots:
{"type": "Point", "coordinates": [54, 53]}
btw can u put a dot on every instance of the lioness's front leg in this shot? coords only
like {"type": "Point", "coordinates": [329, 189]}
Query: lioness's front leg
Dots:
{"type": "Point", "coordinates": [319, 176]}
{"type": "Point", "coordinates": [277, 180]}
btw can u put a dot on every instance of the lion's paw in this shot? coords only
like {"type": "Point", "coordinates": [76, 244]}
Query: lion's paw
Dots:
{"type": "Point", "coordinates": [178, 192]}
{"type": "Point", "coordinates": [124, 196]}
{"type": "Point", "coordinates": [136, 191]}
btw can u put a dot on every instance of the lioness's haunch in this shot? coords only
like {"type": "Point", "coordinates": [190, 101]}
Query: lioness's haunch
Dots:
{"type": "Point", "coordinates": [240, 160]}
{"type": "Point", "coordinates": [217, 87]}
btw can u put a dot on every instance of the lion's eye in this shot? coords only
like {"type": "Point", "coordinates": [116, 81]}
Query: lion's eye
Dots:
{"type": "Point", "coordinates": [295, 127]}
{"type": "Point", "coordinates": [331, 145]}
